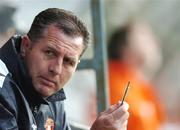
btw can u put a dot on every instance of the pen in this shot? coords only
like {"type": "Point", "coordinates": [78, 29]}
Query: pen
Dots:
{"type": "Point", "coordinates": [125, 92]}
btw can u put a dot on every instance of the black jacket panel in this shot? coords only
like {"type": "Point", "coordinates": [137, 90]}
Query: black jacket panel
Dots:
{"type": "Point", "coordinates": [21, 107]}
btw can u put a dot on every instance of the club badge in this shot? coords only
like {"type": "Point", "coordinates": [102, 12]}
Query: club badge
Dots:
{"type": "Point", "coordinates": [49, 125]}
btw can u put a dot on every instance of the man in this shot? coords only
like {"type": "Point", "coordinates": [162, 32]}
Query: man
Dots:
{"type": "Point", "coordinates": [35, 67]}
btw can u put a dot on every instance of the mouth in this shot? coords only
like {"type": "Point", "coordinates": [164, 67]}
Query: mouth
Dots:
{"type": "Point", "coordinates": [47, 82]}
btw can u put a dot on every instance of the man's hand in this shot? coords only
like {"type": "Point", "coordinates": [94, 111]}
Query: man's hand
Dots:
{"type": "Point", "coordinates": [114, 118]}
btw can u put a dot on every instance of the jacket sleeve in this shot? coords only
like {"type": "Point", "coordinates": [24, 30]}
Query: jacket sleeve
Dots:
{"type": "Point", "coordinates": [7, 120]}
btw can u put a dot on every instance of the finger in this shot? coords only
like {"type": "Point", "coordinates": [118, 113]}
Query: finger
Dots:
{"type": "Point", "coordinates": [123, 118]}
{"type": "Point", "coordinates": [111, 109]}
{"type": "Point", "coordinates": [126, 123]}
{"type": "Point", "coordinates": [124, 127]}
{"type": "Point", "coordinates": [125, 105]}
{"type": "Point", "coordinates": [121, 113]}
{"type": "Point", "coordinates": [115, 107]}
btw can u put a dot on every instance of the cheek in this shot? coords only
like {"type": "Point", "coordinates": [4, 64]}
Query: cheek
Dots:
{"type": "Point", "coordinates": [66, 75]}
{"type": "Point", "coordinates": [33, 68]}
{"type": "Point", "coordinates": [36, 65]}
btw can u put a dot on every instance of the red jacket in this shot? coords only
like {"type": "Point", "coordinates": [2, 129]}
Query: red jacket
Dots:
{"type": "Point", "coordinates": [145, 110]}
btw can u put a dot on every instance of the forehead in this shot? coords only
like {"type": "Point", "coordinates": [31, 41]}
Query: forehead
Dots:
{"type": "Point", "coordinates": [60, 41]}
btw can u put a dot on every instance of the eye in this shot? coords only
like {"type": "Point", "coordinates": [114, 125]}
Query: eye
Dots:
{"type": "Point", "coordinates": [49, 53]}
{"type": "Point", "coordinates": [69, 61]}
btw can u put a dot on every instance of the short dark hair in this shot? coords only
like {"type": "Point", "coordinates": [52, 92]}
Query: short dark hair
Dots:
{"type": "Point", "coordinates": [117, 43]}
{"type": "Point", "coordinates": [64, 20]}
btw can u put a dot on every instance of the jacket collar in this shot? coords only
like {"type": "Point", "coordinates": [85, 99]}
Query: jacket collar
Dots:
{"type": "Point", "coordinates": [10, 55]}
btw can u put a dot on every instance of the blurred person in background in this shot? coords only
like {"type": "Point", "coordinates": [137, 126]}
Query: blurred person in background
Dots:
{"type": "Point", "coordinates": [132, 50]}
{"type": "Point", "coordinates": [6, 21]}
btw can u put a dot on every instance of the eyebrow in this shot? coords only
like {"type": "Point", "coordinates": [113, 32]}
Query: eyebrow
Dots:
{"type": "Point", "coordinates": [71, 58]}
{"type": "Point", "coordinates": [50, 46]}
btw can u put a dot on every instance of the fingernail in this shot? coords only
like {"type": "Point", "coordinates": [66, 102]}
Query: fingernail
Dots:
{"type": "Point", "coordinates": [125, 105]}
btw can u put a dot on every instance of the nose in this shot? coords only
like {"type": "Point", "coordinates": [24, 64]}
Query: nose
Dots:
{"type": "Point", "coordinates": [56, 66]}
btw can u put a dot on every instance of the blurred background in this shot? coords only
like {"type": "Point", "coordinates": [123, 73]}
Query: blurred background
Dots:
{"type": "Point", "coordinates": [162, 16]}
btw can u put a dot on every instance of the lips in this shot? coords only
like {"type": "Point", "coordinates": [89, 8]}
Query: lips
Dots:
{"type": "Point", "coordinates": [47, 82]}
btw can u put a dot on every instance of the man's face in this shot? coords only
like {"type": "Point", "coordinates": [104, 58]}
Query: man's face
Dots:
{"type": "Point", "coordinates": [52, 60]}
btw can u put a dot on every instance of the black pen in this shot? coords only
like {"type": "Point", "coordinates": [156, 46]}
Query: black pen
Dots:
{"type": "Point", "coordinates": [125, 92]}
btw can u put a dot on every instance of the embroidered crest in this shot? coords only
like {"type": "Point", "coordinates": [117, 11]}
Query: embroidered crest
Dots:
{"type": "Point", "coordinates": [49, 125]}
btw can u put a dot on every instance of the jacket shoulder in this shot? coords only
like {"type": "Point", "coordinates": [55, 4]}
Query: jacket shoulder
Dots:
{"type": "Point", "coordinates": [3, 73]}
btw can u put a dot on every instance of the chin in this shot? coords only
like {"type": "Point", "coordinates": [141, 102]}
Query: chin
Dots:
{"type": "Point", "coordinates": [45, 93]}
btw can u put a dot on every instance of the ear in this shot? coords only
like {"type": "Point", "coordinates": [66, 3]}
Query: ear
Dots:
{"type": "Point", "coordinates": [25, 45]}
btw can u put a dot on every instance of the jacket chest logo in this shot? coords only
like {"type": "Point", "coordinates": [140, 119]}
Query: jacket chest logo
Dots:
{"type": "Point", "coordinates": [49, 124]}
